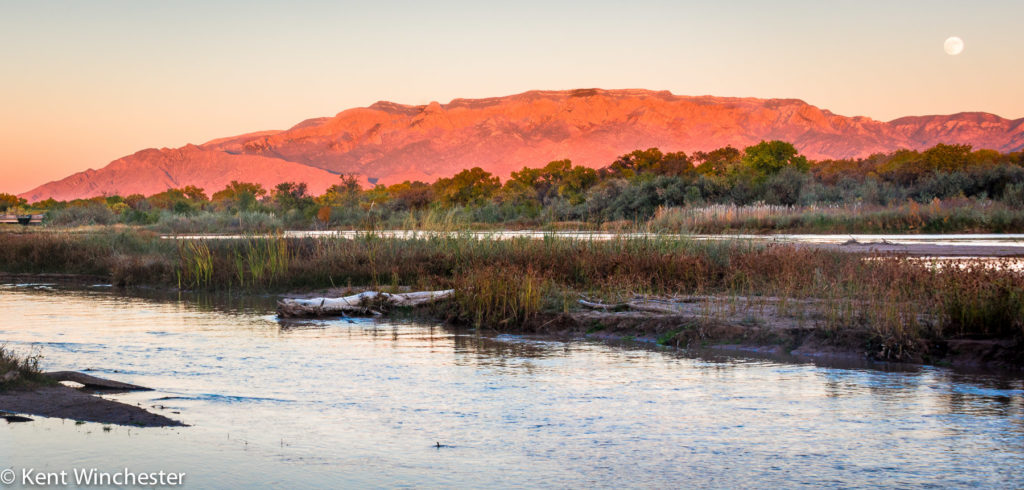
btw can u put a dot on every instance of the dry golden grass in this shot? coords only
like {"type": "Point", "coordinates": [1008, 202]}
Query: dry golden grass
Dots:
{"type": "Point", "coordinates": [937, 216]}
{"type": "Point", "coordinates": [503, 283]}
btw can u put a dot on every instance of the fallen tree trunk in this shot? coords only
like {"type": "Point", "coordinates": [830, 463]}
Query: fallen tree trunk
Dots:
{"type": "Point", "coordinates": [364, 303]}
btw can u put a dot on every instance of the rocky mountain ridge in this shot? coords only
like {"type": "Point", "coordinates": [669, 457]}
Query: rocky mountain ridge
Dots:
{"type": "Point", "coordinates": [389, 142]}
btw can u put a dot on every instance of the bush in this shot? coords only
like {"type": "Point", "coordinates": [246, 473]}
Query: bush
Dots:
{"type": "Point", "coordinates": [785, 187]}
{"type": "Point", "coordinates": [84, 215]}
{"type": "Point", "coordinates": [1013, 195]}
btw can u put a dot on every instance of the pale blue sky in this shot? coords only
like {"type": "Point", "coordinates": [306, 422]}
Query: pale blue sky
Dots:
{"type": "Point", "coordinates": [87, 82]}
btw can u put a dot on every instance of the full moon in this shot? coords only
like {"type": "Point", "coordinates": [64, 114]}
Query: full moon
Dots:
{"type": "Point", "coordinates": [953, 46]}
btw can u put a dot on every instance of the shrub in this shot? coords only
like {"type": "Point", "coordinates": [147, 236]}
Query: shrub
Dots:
{"type": "Point", "coordinates": [83, 215]}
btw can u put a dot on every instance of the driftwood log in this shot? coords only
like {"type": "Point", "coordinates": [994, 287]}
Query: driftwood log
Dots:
{"type": "Point", "coordinates": [365, 303]}
{"type": "Point", "coordinates": [94, 382]}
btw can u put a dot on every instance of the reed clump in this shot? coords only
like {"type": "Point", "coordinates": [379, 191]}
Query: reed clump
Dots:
{"type": "Point", "coordinates": [260, 262]}
{"type": "Point", "coordinates": [195, 264]}
{"type": "Point", "coordinates": [19, 371]}
{"type": "Point", "coordinates": [500, 298]}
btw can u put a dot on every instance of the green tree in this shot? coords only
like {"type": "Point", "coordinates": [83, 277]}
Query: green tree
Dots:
{"type": "Point", "coordinates": [184, 200]}
{"type": "Point", "coordinates": [675, 164]}
{"type": "Point", "coordinates": [10, 201]}
{"type": "Point", "coordinates": [194, 194]}
{"type": "Point", "coordinates": [771, 157]}
{"type": "Point", "coordinates": [346, 194]}
{"type": "Point", "coordinates": [629, 165]}
{"type": "Point", "coordinates": [722, 162]}
{"type": "Point", "coordinates": [946, 158]}
{"type": "Point", "coordinates": [239, 196]}
{"type": "Point", "coordinates": [168, 199]}
{"type": "Point", "coordinates": [410, 195]}
{"type": "Point", "coordinates": [575, 183]}
{"type": "Point", "coordinates": [473, 186]}
{"type": "Point", "coordinates": [49, 203]}
{"type": "Point", "coordinates": [558, 178]}
{"type": "Point", "coordinates": [291, 195]}
{"type": "Point", "coordinates": [901, 166]}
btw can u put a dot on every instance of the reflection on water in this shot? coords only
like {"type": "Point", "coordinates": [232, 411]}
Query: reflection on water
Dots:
{"type": "Point", "coordinates": [336, 402]}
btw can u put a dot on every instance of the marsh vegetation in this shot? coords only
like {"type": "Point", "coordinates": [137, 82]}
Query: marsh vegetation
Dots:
{"type": "Point", "coordinates": [898, 305]}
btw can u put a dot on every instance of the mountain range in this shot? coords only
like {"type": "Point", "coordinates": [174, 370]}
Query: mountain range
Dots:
{"type": "Point", "coordinates": [388, 143]}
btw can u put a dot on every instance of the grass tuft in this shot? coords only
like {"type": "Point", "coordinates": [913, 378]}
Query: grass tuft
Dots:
{"type": "Point", "coordinates": [21, 371]}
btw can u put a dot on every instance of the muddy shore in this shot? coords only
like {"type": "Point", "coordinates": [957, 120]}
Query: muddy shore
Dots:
{"type": "Point", "coordinates": [760, 325]}
{"type": "Point", "coordinates": [777, 337]}
{"type": "Point", "coordinates": [82, 404]}
{"type": "Point", "coordinates": [935, 250]}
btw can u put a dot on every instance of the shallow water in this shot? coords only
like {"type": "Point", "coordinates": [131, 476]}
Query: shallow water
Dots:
{"type": "Point", "coordinates": [331, 403]}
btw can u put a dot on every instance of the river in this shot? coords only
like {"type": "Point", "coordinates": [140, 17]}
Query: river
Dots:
{"type": "Point", "coordinates": [363, 403]}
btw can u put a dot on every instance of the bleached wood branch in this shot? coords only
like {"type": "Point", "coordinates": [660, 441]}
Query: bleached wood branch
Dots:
{"type": "Point", "coordinates": [361, 304]}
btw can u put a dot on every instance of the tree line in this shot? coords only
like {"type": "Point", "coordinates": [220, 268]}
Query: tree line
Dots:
{"type": "Point", "coordinates": [632, 187]}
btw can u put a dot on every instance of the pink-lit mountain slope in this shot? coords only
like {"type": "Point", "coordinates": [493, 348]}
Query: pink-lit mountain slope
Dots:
{"type": "Point", "coordinates": [389, 142]}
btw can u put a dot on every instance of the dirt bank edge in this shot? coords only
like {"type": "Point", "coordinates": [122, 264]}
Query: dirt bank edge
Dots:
{"type": "Point", "coordinates": [71, 403]}
{"type": "Point", "coordinates": [807, 341]}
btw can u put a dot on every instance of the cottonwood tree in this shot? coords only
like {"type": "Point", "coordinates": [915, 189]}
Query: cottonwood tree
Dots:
{"type": "Point", "coordinates": [10, 201]}
{"type": "Point", "coordinates": [768, 158]}
{"type": "Point", "coordinates": [239, 196]}
{"type": "Point", "coordinates": [473, 186]}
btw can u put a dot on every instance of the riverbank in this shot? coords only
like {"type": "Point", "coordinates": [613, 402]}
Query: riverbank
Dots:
{"type": "Point", "coordinates": [25, 389]}
{"type": "Point", "coordinates": [761, 325]}
{"type": "Point", "coordinates": [71, 403]}
{"type": "Point", "coordinates": [891, 307]}
{"type": "Point", "coordinates": [781, 336]}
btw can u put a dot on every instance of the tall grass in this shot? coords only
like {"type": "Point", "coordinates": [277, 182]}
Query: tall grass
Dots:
{"type": "Point", "coordinates": [260, 262]}
{"type": "Point", "coordinates": [500, 298]}
{"type": "Point", "coordinates": [195, 264]}
{"type": "Point", "coordinates": [126, 256]}
{"type": "Point", "coordinates": [504, 283]}
{"type": "Point", "coordinates": [937, 216]}
{"type": "Point", "coordinates": [245, 264]}
{"type": "Point", "coordinates": [981, 299]}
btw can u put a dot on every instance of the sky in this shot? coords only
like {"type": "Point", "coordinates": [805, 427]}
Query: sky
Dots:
{"type": "Point", "coordinates": [84, 83]}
